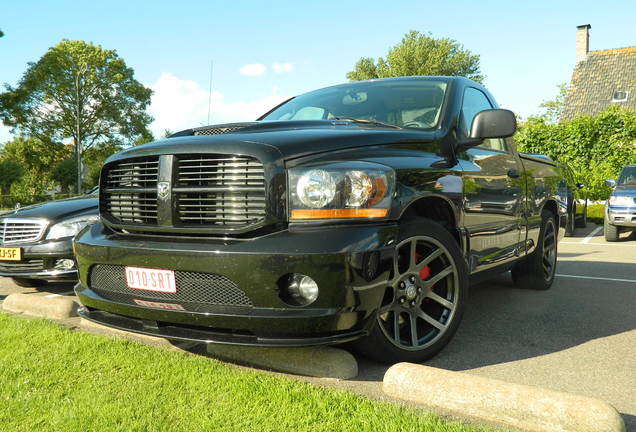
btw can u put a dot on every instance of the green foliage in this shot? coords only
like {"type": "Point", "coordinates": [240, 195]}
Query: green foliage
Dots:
{"type": "Point", "coordinates": [65, 173]}
{"type": "Point", "coordinates": [80, 91]}
{"type": "Point", "coordinates": [595, 148]}
{"type": "Point", "coordinates": [420, 54]}
{"type": "Point", "coordinates": [94, 159]}
{"type": "Point", "coordinates": [552, 108]}
{"type": "Point", "coordinates": [10, 173]}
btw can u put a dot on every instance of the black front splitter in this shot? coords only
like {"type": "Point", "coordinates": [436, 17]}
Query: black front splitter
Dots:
{"type": "Point", "coordinates": [190, 334]}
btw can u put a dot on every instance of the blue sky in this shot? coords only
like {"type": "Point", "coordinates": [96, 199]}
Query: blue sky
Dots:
{"type": "Point", "coordinates": [526, 48]}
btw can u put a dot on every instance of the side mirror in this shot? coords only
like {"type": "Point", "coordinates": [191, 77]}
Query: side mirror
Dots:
{"type": "Point", "coordinates": [493, 123]}
{"type": "Point", "coordinates": [611, 183]}
{"type": "Point", "coordinates": [580, 185]}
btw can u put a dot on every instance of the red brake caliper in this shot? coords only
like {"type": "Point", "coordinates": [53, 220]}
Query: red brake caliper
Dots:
{"type": "Point", "coordinates": [425, 273]}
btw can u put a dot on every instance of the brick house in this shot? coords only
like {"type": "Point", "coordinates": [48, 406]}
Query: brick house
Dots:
{"type": "Point", "coordinates": [600, 78]}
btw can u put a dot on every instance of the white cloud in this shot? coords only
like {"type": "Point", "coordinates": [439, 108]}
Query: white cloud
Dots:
{"type": "Point", "coordinates": [282, 67]}
{"type": "Point", "coordinates": [182, 104]}
{"type": "Point", "coordinates": [5, 133]}
{"type": "Point", "coordinates": [254, 69]}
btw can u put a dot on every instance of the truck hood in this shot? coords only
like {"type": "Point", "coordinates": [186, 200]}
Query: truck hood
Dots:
{"type": "Point", "coordinates": [625, 190]}
{"type": "Point", "coordinates": [287, 139]}
{"type": "Point", "coordinates": [56, 211]}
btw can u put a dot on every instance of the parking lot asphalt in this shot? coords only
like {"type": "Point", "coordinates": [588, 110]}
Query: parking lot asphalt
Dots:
{"type": "Point", "coordinates": [577, 337]}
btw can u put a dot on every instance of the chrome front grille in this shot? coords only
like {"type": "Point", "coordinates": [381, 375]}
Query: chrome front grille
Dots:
{"type": "Point", "coordinates": [130, 195]}
{"type": "Point", "coordinates": [21, 230]}
{"type": "Point", "coordinates": [232, 190]}
{"type": "Point", "coordinates": [185, 191]}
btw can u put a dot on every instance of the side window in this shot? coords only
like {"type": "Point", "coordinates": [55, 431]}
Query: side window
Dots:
{"type": "Point", "coordinates": [474, 102]}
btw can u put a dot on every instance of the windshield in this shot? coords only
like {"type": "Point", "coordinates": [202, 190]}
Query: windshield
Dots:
{"type": "Point", "coordinates": [628, 175]}
{"type": "Point", "coordinates": [410, 103]}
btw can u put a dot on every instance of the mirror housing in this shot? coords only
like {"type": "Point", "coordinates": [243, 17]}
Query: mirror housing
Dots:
{"type": "Point", "coordinates": [610, 182]}
{"type": "Point", "coordinates": [493, 123]}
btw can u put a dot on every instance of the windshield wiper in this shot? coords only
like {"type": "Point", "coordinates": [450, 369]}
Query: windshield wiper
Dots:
{"type": "Point", "coordinates": [364, 121]}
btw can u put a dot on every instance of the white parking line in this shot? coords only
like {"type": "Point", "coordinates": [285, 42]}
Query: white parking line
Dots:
{"type": "Point", "coordinates": [596, 278]}
{"type": "Point", "coordinates": [591, 235]}
{"type": "Point", "coordinates": [598, 244]}
{"type": "Point", "coordinates": [60, 294]}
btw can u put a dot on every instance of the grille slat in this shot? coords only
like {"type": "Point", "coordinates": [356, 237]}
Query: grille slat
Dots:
{"type": "Point", "coordinates": [109, 281]}
{"type": "Point", "coordinates": [15, 230]}
{"type": "Point", "coordinates": [232, 190]}
{"type": "Point", "coordinates": [21, 266]}
{"type": "Point", "coordinates": [213, 190]}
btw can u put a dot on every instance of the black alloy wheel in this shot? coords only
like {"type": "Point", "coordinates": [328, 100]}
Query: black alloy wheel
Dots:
{"type": "Point", "coordinates": [537, 271]}
{"type": "Point", "coordinates": [424, 299]}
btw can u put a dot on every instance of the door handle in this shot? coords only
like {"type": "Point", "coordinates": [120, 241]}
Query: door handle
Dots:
{"type": "Point", "coordinates": [513, 173]}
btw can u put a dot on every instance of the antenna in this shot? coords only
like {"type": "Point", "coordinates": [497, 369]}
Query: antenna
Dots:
{"type": "Point", "coordinates": [210, 92]}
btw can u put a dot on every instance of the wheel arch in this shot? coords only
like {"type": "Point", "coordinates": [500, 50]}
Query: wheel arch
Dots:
{"type": "Point", "coordinates": [437, 208]}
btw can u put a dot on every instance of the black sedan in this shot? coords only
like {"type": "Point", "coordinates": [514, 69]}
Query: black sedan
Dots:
{"type": "Point", "coordinates": [36, 241]}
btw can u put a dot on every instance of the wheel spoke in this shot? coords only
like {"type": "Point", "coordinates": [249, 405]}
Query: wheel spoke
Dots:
{"type": "Point", "coordinates": [426, 261]}
{"type": "Point", "coordinates": [396, 327]}
{"type": "Point", "coordinates": [439, 276]}
{"type": "Point", "coordinates": [439, 299]}
{"type": "Point", "coordinates": [429, 319]}
{"type": "Point", "coordinates": [414, 338]}
{"type": "Point", "coordinates": [413, 254]}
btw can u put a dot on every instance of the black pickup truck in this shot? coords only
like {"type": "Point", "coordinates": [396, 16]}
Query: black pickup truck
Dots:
{"type": "Point", "coordinates": [360, 212]}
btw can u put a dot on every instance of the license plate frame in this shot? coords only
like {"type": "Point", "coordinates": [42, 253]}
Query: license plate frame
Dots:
{"type": "Point", "coordinates": [151, 279]}
{"type": "Point", "coordinates": [10, 254]}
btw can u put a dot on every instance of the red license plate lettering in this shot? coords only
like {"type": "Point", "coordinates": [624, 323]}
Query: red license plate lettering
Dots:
{"type": "Point", "coordinates": [148, 279]}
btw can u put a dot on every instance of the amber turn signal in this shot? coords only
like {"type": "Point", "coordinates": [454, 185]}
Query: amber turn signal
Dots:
{"type": "Point", "coordinates": [339, 213]}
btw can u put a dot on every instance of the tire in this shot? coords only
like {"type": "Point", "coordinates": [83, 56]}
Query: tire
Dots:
{"type": "Point", "coordinates": [582, 221]}
{"type": "Point", "coordinates": [571, 224]}
{"type": "Point", "coordinates": [611, 231]}
{"type": "Point", "coordinates": [29, 283]}
{"type": "Point", "coordinates": [537, 270]}
{"type": "Point", "coordinates": [424, 299]}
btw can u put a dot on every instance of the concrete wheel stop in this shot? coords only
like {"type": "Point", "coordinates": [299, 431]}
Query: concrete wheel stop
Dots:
{"type": "Point", "coordinates": [524, 407]}
{"type": "Point", "coordinates": [58, 308]}
{"type": "Point", "coordinates": [321, 361]}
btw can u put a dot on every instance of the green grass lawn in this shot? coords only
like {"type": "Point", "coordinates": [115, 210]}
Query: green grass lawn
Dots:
{"type": "Point", "coordinates": [595, 213]}
{"type": "Point", "coordinates": [55, 379]}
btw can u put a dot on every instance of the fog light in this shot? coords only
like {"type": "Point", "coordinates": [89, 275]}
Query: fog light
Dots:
{"type": "Point", "coordinates": [302, 289]}
{"type": "Point", "coordinates": [65, 264]}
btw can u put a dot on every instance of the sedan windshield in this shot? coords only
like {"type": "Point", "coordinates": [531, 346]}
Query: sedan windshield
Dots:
{"type": "Point", "coordinates": [405, 103]}
{"type": "Point", "coordinates": [628, 175]}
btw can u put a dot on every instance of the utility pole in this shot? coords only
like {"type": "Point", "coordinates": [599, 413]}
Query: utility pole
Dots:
{"type": "Point", "coordinates": [210, 92]}
{"type": "Point", "coordinates": [78, 138]}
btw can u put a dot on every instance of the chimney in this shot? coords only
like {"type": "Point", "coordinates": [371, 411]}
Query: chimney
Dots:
{"type": "Point", "coordinates": [582, 41]}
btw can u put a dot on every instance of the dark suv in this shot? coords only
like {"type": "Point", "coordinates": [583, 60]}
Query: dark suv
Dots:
{"type": "Point", "coordinates": [355, 212]}
{"type": "Point", "coordinates": [36, 241]}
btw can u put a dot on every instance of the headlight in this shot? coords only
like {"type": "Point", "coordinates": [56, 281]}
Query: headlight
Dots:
{"type": "Point", "coordinates": [70, 227]}
{"type": "Point", "coordinates": [621, 201]}
{"type": "Point", "coordinates": [341, 190]}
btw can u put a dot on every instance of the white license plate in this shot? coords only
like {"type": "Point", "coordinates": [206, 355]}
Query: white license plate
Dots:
{"type": "Point", "coordinates": [151, 279]}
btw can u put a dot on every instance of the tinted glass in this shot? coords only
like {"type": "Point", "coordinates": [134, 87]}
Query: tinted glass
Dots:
{"type": "Point", "coordinates": [474, 102]}
{"type": "Point", "coordinates": [405, 103]}
{"type": "Point", "coordinates": [628, 175]}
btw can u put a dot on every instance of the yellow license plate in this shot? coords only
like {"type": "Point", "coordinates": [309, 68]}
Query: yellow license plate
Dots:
{"type": "Point", "coordinates": [10, 254]}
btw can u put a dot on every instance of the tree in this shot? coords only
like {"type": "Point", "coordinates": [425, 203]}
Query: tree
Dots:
{"type": "Point", "coordinates": [1, 34]}
{"type": "Point", "coordinates": [65, 173]}
{"type": "Point", "coordinates": [78, 91]}
{"type": "Point", "coordinates": [552, 108]}
{"type": "Point", "coordinates": [10, 172]}
{"type": "Point", "coordinates": [595, 148]}
{"type": "Point", "coordinates": [420, 54]}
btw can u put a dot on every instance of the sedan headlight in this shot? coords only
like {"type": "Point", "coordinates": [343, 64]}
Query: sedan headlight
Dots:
{"type": "Point", "coordinates": [621, 201]}
{"type": "Point", "coordinates": [70, 227]}
{"type": "Point", "coordinates": [341, 190]}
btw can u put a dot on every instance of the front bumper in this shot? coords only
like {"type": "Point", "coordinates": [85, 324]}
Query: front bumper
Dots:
{"type": "Point", "coordinates": [621, 216]}
{"type": "Point", "coordinates": [337, 258]}
{"type": "Point", "coordinates": [39, 261]}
